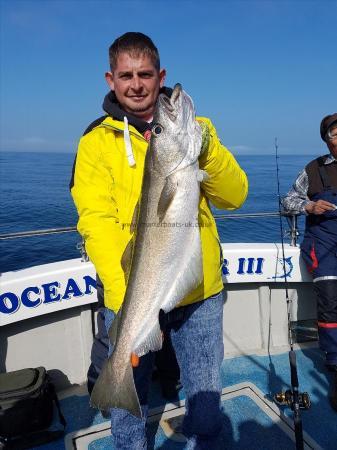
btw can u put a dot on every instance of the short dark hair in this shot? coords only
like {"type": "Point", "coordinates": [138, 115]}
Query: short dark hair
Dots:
{"type": "Point", "coordinates": [136, 44]}
{"type": "Point", "coordinates": [326, 123]}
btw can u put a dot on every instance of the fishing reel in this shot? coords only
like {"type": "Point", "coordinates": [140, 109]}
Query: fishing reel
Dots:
{"type": "Point", "coordinates": [287, 399]}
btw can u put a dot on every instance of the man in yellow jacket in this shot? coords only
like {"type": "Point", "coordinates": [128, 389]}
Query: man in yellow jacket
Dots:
{"type": "Point", "coordinates": [106, 187]}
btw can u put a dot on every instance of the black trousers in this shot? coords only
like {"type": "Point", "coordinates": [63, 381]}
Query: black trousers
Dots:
{"type": "Point", "coordinates": [326, 294]}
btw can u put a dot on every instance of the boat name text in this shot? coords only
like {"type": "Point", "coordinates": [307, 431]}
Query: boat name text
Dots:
{"type": "Point", "coordinates": [34, 296]}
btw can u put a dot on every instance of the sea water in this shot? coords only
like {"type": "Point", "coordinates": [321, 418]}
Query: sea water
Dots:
{"type": "Point", "coordinates": [35, 195]}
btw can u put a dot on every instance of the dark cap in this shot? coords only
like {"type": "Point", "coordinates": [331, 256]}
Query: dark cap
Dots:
{"type": "Point", "coordinates": [326, 124]}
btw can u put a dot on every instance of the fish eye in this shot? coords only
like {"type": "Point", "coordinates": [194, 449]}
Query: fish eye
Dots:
{"type": "Point", "coordinates": [157, 129]}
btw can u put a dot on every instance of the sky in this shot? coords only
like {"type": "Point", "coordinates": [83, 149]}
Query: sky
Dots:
{"type": "Point", "coordinates": [258, 69]}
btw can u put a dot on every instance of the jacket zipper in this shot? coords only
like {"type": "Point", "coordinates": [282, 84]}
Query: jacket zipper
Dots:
{"type": "Point", "coordinates": [122, 131]}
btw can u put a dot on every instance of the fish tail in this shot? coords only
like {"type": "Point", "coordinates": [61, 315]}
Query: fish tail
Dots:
{"type": "Point", "coordinates": [110, 393]}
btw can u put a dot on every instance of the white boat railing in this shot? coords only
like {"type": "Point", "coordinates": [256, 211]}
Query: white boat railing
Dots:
{"type": "Point", "coordinates": [22, 234]}
{"type": "Point", "coordinates": [292, 220]}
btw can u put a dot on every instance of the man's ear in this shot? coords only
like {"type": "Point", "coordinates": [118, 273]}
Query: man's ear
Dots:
{"type": "Point", "coordinates": [110, 80]}
{"type": "Point", "coordinates": [162, 76]}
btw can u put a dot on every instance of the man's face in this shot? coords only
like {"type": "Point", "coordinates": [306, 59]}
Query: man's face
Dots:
{"type": "Point", "coordinates": [136, 83]}
{"type": "Point", "coordinates": [332, 142]}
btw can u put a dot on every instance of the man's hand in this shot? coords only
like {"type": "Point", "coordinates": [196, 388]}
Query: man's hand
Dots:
{"type": "Point", "coordinates": [205, 137]}
{"type": "Point", "coordinates": [319, 207]}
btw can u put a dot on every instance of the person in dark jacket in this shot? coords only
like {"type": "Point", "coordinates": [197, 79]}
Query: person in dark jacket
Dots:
{"type": "Point", "coordinates": [314, 193]}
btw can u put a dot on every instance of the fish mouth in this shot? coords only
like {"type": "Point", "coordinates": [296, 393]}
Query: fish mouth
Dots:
{"type": "Point", "coordinates": [176, 92]}
{"type": "Point", "coordinates": [169, 103]}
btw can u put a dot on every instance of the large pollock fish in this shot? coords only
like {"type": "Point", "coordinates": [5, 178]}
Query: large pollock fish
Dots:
{"type": "Point", "coordinates": [166, 255]}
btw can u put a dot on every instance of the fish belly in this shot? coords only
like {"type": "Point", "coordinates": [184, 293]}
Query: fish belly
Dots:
{"type": "Point", "coordinates": [171, 263]}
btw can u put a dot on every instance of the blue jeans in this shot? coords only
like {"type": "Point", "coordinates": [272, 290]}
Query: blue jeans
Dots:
{"type": "Point", "coordinates": [197, 338]}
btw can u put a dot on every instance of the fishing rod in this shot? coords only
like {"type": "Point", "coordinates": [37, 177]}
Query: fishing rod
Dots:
{"type": "Point", "coordinates": [292, 397]}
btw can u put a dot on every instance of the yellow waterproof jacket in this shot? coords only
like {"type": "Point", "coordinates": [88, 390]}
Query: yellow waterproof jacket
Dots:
{"type": "Point", "coordinates": [106, 190]}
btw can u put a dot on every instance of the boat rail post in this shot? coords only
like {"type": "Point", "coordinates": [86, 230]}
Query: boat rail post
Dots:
{"type": "Point", "coordinates": [81, 247]}
{"type": "Point", "coordinates": [293, 232]}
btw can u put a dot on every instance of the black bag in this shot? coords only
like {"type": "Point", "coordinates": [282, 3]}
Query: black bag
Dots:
{"type": "Point", "coordinates": [27, 397]}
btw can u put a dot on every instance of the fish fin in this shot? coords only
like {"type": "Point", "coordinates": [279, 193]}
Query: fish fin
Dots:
{"type": "Point", "coordinates": [166, 197]}
{"type": "Point", "coordinates": [134, 220]}
{"type": "Point", "coordinates": [107, 393]}
{"type": "Point", "coordinates": [202, 175]}
{"type": "Point", "coordinates": [152, 341]}
{"type": "Point", "coordinates": [126, 260]}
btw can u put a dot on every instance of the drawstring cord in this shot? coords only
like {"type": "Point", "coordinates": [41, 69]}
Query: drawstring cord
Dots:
{"type": "Point", "coordinates": [128, 145]}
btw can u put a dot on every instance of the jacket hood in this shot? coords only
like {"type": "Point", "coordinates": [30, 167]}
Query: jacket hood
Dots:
{"type": "Point", "coordinates": [113, 109]}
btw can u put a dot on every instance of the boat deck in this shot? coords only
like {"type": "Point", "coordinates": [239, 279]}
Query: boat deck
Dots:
{"type": "Point", "coordinates": [251, 419]}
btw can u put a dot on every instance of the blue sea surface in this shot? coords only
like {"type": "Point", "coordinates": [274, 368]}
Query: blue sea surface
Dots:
{"type": "Point", "coordinates": [35, 195]}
